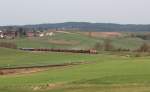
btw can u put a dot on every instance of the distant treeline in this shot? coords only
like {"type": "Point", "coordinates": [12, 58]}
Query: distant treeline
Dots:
{"type": "Point", "coordinates": [82, 26]}
{"type": "Point", "coordinates": [108, 46]}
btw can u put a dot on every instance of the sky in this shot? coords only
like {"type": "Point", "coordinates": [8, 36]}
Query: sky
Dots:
{"type": "Point", "coordinates": [21, 12]}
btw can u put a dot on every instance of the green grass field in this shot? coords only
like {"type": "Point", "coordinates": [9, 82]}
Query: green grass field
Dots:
{"type": "Point", "coordinates": [81, 41]}
{"type": "Point", "coordinates": [104, 72]}
{"type": "Point", "coordinates": [16, 58]}
{"type": "Point", "coordinates": [107, 73]}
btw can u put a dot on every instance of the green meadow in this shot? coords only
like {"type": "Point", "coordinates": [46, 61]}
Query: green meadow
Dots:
{"type": "Point", "coordinates": [106, 73]}
{"type": "Point", "coordinates": [75, 40]}
{"type": "Point", "coordinates": [103, 72]}
{"type": "Point", "coordinates": [14, 58]}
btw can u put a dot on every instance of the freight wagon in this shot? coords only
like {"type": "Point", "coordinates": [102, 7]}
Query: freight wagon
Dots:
{"type": "Point", "coordinates": [90, 51]}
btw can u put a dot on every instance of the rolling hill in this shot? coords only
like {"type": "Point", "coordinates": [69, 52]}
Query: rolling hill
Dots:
{"type": "Point", "coordinates": [84, 26]}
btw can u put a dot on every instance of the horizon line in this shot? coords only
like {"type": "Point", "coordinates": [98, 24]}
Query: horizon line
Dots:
{"type": "Point", "coordinates": [75, 22]}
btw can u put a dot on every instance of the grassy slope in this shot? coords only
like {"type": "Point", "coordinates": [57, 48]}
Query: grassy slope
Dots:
{"type": "Point", "coordinates": [128, 43]}
{"type": "Point", "coordinates": [101, 75]}
{"type": "Point", "coordinates": [110, 73]}
{"type": "Point", "coordinates": [84, 42]}
{"type": "Point", "coordinates": [13, 58]}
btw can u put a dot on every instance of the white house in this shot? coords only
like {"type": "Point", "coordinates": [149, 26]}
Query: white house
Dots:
{"type": "Point", "coordinates": [41, 35]}
{"type": "Point", "coordinates": [1, 34]}
{"type": "Point", "coordinates": [50, 34]}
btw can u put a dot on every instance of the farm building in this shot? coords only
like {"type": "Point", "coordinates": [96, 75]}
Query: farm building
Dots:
{"type": "Point", "coordinates": [10, 34]}
{"type": "Point", "coordinates": [30, 34]}
{"type": "Point", "coordinates": [34, 34]}
{"type": "Point", "coordinates": [1, 34]}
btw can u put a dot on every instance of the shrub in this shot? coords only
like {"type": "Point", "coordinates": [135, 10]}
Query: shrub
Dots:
{"type": "Point", "coordinates": [144, 48]}
{"type": "Point", "coordinates": [98, 46]}
{"type": "Point", "coordinates": [108, 45]}
{"type": "Point", "coordinates": [8, 45]}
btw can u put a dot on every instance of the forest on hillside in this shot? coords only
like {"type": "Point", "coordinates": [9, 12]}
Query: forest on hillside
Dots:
{"type": "Point", "coordinates": [82, 26]}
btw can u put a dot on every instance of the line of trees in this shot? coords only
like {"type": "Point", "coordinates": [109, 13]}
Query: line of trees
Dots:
{"type": "Point", "coordinates": [8, 45]}
{"type": "Point", "coordinates": [144, 48]}
{"type": "Point", "coordinates": [108, 46]}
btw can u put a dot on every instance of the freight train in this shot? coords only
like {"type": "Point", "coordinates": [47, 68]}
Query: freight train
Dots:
{"type": "Point", "coordinates": [90, 51]}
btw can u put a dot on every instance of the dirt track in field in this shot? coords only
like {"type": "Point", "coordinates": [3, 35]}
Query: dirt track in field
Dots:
{"type": "Point", "coordinates": [103, 34]}
{"type": "Point", "coordinates": [63, 42]}
{"type": "Point", "coordinates": [33, 69]}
